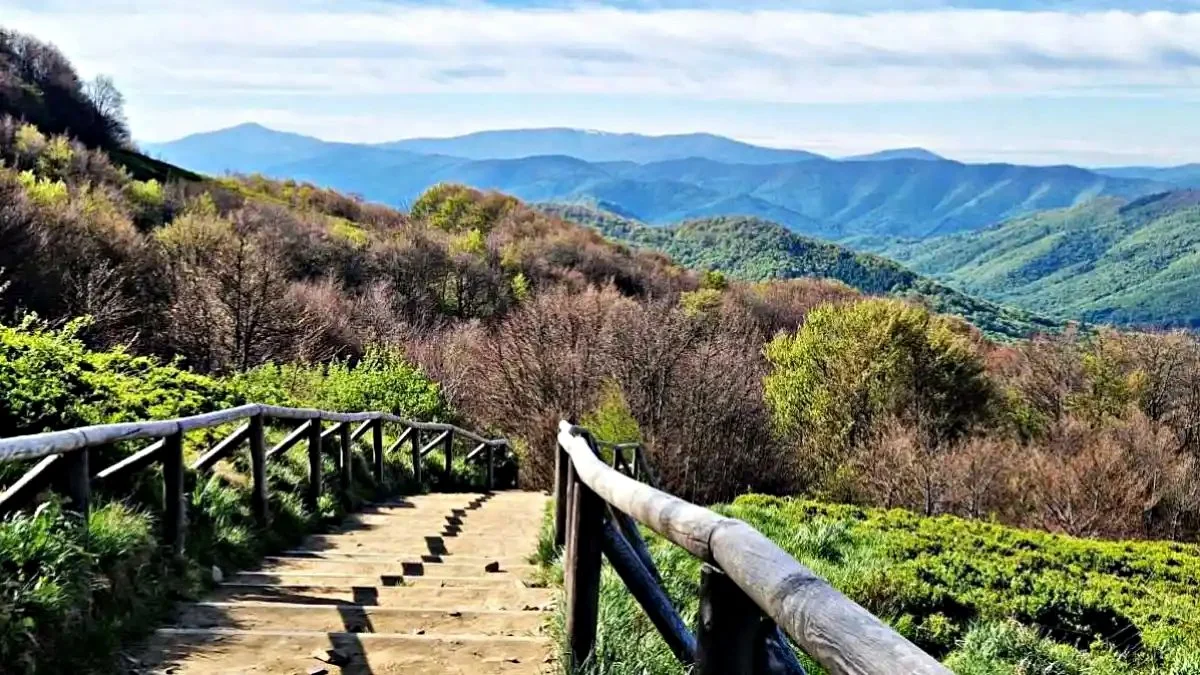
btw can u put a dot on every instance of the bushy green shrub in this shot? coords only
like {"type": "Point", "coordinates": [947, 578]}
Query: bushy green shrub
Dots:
{"type": "Point", "coordinates": [850, 367]}
{"type": "Point", "coordinates": [50, 380]}
{"type": "Point", "coordinates": [383, 380]}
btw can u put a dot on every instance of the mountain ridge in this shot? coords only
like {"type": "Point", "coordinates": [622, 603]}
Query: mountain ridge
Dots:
{"type": "Point", "coordinates": [831, 199]}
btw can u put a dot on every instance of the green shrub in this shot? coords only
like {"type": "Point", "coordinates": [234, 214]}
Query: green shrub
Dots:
{"type": "Point", "coordinates": [849, 367]}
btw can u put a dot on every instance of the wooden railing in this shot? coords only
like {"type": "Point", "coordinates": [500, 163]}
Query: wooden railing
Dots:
{"type": "Point", "coordinates": [64, 455]}
{"type": "Point", "coordinates": [750, 588]}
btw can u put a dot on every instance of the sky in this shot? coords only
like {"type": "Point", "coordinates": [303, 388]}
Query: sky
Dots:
{"type": "Point", "coordinates": [1090, 82]}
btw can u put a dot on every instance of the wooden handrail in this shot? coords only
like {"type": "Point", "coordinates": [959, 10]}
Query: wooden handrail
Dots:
{"type": "Point", "coordinates": [65, 453]}
{"type": "Point", "coordinates": [36, 446]}
{"type": "Point", "coordinates": [832, 629]}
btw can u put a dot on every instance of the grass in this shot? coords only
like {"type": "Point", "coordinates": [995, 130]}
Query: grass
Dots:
{"type": "Point", "coordinates": [983, 598]}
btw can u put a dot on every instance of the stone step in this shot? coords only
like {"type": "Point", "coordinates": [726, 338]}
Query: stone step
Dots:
{"type": "Point", "coordinates": [410, 567]}
{"type": "Point", "coordinates": [380, 580]}
{"type": "Point", "coordinates": [423, 597]}
{"type": "Point", "coordinates": [208, 651]}
{"type": "Point", "coordinates": [431, 545]}
{"type": "Point", "coordinates": [359, 619]}
{"type": "Point", "coordinates": [389, 557]}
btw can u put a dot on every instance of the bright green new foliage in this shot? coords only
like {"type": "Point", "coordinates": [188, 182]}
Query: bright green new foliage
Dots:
{"type": "Point", "coordinates": [851, 367]}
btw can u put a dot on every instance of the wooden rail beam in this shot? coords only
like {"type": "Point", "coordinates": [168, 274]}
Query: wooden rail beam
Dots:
{"type": "Point", "coordinates": [432, 445]}
{"type": "Point", "coordinates": [220, 450]}
{"type": "Point", "coordinates": [298, 434]}
{"type": "Point", "coordinates": [132, 464]}
{"type": "Point", "coordinates": [21, 493]}
{"type": "Point", "coordinates": [646, 589]}
{"type": "Point", "coordinates": [362, 429]}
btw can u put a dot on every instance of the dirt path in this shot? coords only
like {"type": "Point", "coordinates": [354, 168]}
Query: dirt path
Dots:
{"type": "Point", "coordinates": [433, 584]}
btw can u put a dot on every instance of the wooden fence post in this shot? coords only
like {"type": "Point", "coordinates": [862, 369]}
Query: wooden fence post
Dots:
{"type": "Point", "coordinates": [174, 498]}
{"type": "Point", "coordinates": [562, 462]}
{"type": "Point", "coordinates": [490, 451]}
{"type": "Point", "coordinates": [77, 482]}
{"type": "Point", "coordinates": [728, 634]}
{"type": "Point", "coordinates": [448, 449]}
{"type": "Point", "coordinates": [585, 534]}
{"type": "Point", "coordinates": [377, 451]}
{"type": "Point", "coordinates": [347, 455]}
{"type": "Point", "coordinates": [313, 498]}
{"type": "Point", "coordinates": [258, 467]}
{"type": "Point", "coordinates": [416, 456]}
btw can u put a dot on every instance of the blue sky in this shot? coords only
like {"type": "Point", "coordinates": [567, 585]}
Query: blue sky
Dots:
{"type": "Point", "coordinates": [1096, 82]}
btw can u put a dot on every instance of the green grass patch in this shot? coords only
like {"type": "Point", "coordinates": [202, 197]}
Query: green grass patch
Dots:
{"type": "Point", "coordinates": [985, 599]}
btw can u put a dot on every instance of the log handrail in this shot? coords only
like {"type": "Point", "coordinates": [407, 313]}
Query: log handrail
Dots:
{"type": "Point", "coordinates": [65, 453]}
{"type": "Point", "coordinates": [831, 628]}
{"type": "Point", "coordinates": [36, 446]}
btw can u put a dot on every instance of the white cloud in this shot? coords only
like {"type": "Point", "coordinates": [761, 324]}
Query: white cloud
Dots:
{"type": "Point", "coordinates": [762, 55]}
{"type": "Point", "coordinates": [185, 62]}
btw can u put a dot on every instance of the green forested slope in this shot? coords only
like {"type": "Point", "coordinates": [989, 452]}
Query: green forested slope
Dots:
{"type": "Point", "coordinates": [756, 250]}
{"type": "Point", "coordinates": [1106, 261]}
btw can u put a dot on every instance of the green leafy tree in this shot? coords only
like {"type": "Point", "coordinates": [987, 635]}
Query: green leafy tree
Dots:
{"type": "Point", "coordinates": [849, 368]}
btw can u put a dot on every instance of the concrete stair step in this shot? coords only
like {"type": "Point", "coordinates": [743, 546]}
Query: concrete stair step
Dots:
{"type": "Point", "coordinates": [389, 557]}
{"type": "Point", "coordinates": [411, 567]}
{"type": "Point", "coordinates": [424, 597]}
{"type": "Point", "coordinates": [211, 651]}
{"type": "Point", "coordinates": [359, 619]}
{"type": "Point", "coordinates": [433, 545]}
{"type": "Point", "coordinates": [380, 580]}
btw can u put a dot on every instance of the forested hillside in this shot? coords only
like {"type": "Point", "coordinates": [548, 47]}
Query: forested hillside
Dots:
{"type": "Point", "coordinates": [759, 250]}
{"type": "Point", "coordinates": [1109, 260]}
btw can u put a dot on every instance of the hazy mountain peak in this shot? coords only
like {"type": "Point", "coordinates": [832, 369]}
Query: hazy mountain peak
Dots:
{"type": "Point", "coordinates": [897, 153]}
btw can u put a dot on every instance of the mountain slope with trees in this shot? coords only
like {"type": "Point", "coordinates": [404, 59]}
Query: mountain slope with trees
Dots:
{"type": "Point", "coordinates": [758, 250]}
{"type": "Point", "coordinates": [1130, 262]}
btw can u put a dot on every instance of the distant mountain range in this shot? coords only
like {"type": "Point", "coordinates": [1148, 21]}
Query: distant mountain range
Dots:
{"type": "Point", "coordinates": [1185, 176]}
{"type": "Point", "coordinates": [756, 250]}
{"type": "Point", "coordinates": [1111, 260]}
{"type": "Point", "coordinates": [666, 179]}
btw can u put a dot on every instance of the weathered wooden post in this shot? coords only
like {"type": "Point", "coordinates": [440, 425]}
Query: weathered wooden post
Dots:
{"type": "Point", "coordinates": [347, 458]}
{"type": "Point", "coordinates": [490, 451]}
{"type": "Point", "coordinates": [313, 498]}
{"type": "Point", "coordinates": [174, 504]}
{"type": "Point", "coordinates": [377, 450]}
{"type": "Point", "coordinates": [258, 467]}
{"type": "Point", "coordinates": [562, 462]}
{"type": "Point", "coordinates": [585, 534]}
{"type": "Point", "coordinates": [77, 484]}
{"type": "Point", "coordinates": [416, 456]}
{"type": "Point", "coordinates": [448, 449]}
{"type": "Point", "coordinates": [729, 627]}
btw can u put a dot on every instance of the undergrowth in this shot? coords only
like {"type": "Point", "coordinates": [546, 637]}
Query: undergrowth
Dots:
{"type": "Point", "coordinates": [985, 599]}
